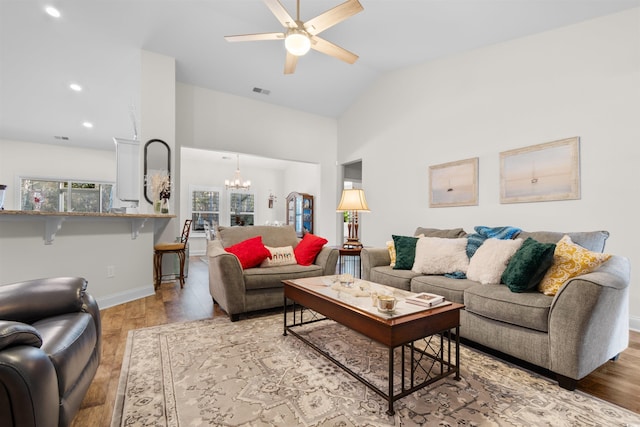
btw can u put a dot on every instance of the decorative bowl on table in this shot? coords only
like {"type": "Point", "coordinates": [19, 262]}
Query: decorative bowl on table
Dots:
{"type": "Point", "coordinates": [346, 280]}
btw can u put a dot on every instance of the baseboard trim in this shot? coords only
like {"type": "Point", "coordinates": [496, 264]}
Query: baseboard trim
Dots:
{"type": "Point", "coordinates": [122, 297]}
{"type": "Point", "coordinates": [634, 323]}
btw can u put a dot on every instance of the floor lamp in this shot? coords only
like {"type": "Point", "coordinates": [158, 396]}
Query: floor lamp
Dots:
{"type": "Point", "coordinates": [353, 201]}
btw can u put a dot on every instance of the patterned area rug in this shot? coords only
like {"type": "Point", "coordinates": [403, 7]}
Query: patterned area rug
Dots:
{"type": "Point", "coordinates": [217, 373]}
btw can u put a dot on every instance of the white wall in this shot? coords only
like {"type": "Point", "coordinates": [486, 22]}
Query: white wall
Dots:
{"type": "Point", "coordinates": [582, 80]}
{"type": "Point", "coordinates": [214, 120]}
{"type": "Point", "coordinates": [205, 168]}
{"type": "Point", "coordinates": [20, 159]}
{"type": "Point", "coordinates": [158, 121]}
{"type": "Point", "coordinates": [83, 246]}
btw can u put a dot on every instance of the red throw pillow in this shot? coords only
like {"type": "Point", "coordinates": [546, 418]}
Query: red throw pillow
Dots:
{"type": "Point", "coordinates": [250, 252]}
{"type": "Point", "coordinates": [308, 248]}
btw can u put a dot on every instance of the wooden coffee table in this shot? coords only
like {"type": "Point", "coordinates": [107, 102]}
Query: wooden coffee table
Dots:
{"type": "Point", "coordinates": [407, 327]}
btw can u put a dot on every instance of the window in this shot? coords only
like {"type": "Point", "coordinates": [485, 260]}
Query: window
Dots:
{"type": "Point", "coordinates": [241, 208]}
{"type": "Point", "coordinates": [226, 208]}
{"type": "Point", "coordinates": [205, 206]}
{"type": "Point", "coordinates": [52, 195]}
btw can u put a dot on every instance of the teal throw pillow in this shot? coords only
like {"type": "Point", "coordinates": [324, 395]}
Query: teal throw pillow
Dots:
{"type": "Point", "coordinates": [528, 265]}
{"type": "Point", "coordinates": [405, 251]}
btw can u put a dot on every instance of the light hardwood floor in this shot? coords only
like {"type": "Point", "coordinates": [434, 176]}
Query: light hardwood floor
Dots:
{"type": "Point", "coordinates": [617, 382]}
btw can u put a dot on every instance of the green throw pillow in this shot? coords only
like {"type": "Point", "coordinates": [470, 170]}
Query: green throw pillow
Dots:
{"type": "Point", "coordinates": [405, 251]}
{"type": "Point", "coordinates": [528, 265]}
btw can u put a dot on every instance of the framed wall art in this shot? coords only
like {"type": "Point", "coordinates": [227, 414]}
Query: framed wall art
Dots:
{"type": "Point", "coordinates": [543, 172]}
{"type": "Point", "coordinates": [454, 184]}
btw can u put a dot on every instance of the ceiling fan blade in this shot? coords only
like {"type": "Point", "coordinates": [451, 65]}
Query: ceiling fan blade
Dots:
{"type": "Point", "coordinates": [328, 48]}
{"type": "Point", "coordinates": [332, 16]}
{"type": "Point", "coordinates": [290, 63]}
{"type": "Point", "coordinates": [255, 37]}
{"type": "Point", "coordinates": [281, 13]}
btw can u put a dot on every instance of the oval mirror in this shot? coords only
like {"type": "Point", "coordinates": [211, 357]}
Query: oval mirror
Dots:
{"type": "Point", "coordinates": [157, 159]}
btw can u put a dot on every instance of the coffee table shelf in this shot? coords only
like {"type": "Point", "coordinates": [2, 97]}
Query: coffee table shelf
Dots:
{"type": "Point", "coordinates": [422, 337]}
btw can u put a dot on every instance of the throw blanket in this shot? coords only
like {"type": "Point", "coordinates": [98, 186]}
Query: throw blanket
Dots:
{"type": "Point", "coordinates": [483, 233]}
{"type": "Point", "coordinates": [474, 241]}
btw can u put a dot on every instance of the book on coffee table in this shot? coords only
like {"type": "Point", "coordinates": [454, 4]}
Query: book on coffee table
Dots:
{"type": "Point", "coordinates": [426, 299]}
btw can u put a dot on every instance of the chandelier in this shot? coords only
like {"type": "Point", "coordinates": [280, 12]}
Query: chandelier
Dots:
{"type": "Point", "coordinates": [237, 183]}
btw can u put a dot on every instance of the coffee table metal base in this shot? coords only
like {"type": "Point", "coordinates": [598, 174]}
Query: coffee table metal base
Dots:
{"type": "Point", "coordinates": [423, 361]}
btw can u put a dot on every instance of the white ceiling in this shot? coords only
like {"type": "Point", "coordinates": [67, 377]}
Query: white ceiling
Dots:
{"type": "Point", "coordinates": [97, 44]}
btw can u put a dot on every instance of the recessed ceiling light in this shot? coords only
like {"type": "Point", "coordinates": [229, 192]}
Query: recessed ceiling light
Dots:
{"type": "Point", "coordinates": [88, 125]}
{"type": "Point", "coordinates": [75, 86]}
{"type": "Point", "coordinates": [52, 11]}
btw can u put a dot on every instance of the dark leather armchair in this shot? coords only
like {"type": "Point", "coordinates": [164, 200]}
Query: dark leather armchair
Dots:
{"type": "Point", "coordinates": [50, 339]}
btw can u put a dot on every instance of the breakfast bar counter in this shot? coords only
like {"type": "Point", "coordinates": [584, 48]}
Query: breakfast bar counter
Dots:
{"type": "Point", "coordinates": [54, 220]}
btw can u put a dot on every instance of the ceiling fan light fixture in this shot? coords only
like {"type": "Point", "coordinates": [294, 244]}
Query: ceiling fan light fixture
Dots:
{"type": "Point", "coordinates": [297, 42]}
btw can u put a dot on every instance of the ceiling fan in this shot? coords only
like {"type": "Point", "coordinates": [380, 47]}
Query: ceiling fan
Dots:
{"type": "Point", "coordinates": [300, 36]}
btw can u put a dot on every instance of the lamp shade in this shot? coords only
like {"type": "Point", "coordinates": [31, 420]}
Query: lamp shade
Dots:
{"type": "Point", "coordinates": [353, 200]}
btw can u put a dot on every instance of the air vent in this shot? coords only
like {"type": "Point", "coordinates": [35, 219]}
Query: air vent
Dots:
{"type": "Point", "coordinates": [63, 138]}
{"type": "Point", "coordinates": [262, 91]}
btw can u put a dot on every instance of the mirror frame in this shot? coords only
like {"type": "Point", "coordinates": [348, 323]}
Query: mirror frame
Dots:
{"type": "Point", "coordinates": [146, 146]}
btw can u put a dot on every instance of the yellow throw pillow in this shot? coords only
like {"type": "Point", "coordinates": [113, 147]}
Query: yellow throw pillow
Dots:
{"type": "Point", "coordinates": [392, 253]}
{"type": "Point", "coordinates": [569, 260]}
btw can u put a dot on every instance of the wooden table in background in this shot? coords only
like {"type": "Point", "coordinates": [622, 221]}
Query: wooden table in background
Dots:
{"type": "Point", "coordinates": [349, 261]}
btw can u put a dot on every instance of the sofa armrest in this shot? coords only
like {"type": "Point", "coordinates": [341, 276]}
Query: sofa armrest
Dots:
{"type": "Point", "coordinates": [90, 305]}
{"type": "Point", "coordinates": [226, 279]}
{"type": "Point", "coordinates": [18, 333]}
{"type": "Point", "coordinates": [34, 300]}
{"type": "Point", "coordinates": [28, 388]}
{"type": "Point", "coordinates": [373, 257]}
{"type": "Point", "coordinates": [327, 259]}
{"type": "Point", "coordinates": [589, 319]}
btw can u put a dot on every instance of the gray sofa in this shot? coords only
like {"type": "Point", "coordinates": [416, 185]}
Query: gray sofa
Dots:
{"type": "Point", "coordinates": [239, 291]}
{"type": "Point", "coordinates": [570, 334]}
{"type": "Point", "coordinates": [50, 341]}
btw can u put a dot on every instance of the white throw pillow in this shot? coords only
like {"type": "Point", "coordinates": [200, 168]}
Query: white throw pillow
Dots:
{"type": "Point", "coordinates": [491, 259]}
{"type": "Point", "coordinates": [279, 256]}
{"type": "Point", "coordinates": [437, 255]}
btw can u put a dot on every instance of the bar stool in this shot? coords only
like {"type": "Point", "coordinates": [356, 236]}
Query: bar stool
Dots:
{"type": "Point", "coordinates": [167, 248]}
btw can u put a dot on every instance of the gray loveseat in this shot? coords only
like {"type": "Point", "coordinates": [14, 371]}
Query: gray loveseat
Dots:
{"type": "Point", "coordinates": [239, 291]}
{"type": "Point", "coordinates": [570, 334]}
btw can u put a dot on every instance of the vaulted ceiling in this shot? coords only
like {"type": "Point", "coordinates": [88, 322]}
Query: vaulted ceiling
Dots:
{"type": "Point", "coordinates": [97, 44]}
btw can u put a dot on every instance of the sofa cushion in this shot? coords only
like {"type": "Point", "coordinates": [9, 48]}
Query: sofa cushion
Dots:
{"type": "Point", "coordinates": [437, 255]}
{"type": "Point", "coordinates": [279, 256]}
{"type": "Point", "coordinates": [387, 275]}
{"type": "Point", "coordinates": [450, 289]}
{"type": "Point", "coordinates": [592, 240]}
{"type": "Point", "coordinates": [452, 233]}
{"type": "Point", "coordinates": [265, 278]}
{"type": "Point", "coordinates": [569, 260]}
{"type": "Point", "coordinates": [308, 248]}
{"type": "Point", "coordinates": [497, 302]}
{"type": "Point", "coordinates": [405, 251]}
{"type": "Point", "coordinates": [69, 341]}
{"type": "Point", "coordinates": [250, 252]}
{"type": "Point", "coordinates": [490, 260]}
{"type": "Point", "coordinates": [275, 237]}
{"type": "Point", "coordinates": [528, 265]}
